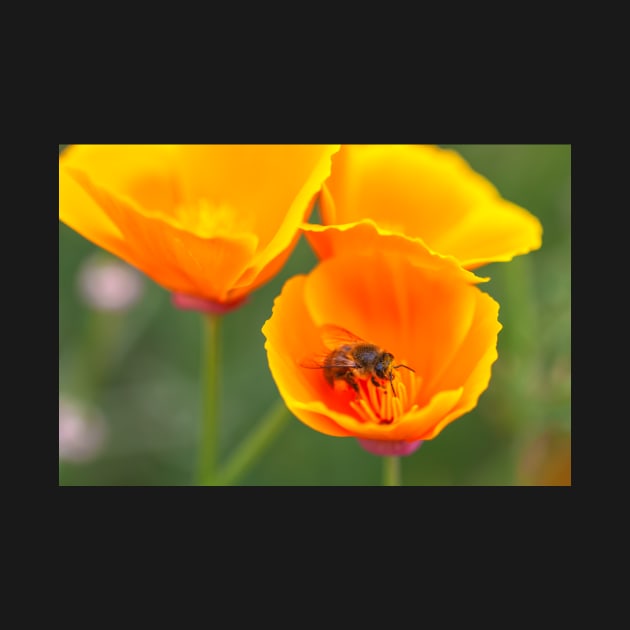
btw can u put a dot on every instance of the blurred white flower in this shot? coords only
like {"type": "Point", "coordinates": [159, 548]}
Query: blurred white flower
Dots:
{"type": "Point", "coordinates": [82, 432]}
{"type": "Point", "coordinates": [108, 284]}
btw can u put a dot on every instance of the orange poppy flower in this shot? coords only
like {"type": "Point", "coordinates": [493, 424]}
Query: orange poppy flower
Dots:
{"type": "Point", "coordinates": [428, 193]}
{"type": "Point", "coordinates": [211, 223]}
{"type": "Point", "coordinates": [424, 310]}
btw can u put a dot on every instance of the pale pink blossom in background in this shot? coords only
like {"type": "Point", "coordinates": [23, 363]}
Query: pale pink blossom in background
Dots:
{"type": "Point", "coordinates": [82, 432]}
{"type": "Point", "coordinates": [109, 284]}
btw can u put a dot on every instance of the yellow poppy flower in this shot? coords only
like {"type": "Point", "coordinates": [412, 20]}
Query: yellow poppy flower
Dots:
{"type": "Point", "coordinates": [211, 223]}
{"type": "Point", "coordinates": [439, 329]}
{"type": "Point", "coordinates": [428, 193]}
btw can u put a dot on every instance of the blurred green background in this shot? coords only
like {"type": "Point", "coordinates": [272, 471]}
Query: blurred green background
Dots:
{"type": "Point", "coordinates": [137, 372]}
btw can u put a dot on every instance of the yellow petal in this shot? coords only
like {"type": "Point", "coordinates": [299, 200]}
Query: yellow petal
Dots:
{"type": "Point", "coordinates": [79, 211]}
{"type": "Point", "coordinates": [429, 193]}
{"type": "Point", "coordinates": [270, 184]}
{"type": "Point", "coordinates": [144, 173]}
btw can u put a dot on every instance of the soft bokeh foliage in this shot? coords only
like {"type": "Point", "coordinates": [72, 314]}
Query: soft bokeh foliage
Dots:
{"type": "Point", "coordinates": [141, 367]}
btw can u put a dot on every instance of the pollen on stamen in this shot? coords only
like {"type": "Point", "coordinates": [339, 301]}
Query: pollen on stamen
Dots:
{"type": "Point", "coordinates": [379, 405]}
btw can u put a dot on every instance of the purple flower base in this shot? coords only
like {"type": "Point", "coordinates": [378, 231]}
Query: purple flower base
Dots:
{"type": "Point", "coordinates": [191, 303]}
{"type": "Point", "coordinates": [388, 447]}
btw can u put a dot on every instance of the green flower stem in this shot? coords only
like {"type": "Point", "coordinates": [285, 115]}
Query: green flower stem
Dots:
{"type": "Point", "coordinates": [254, 445]}
{"type": "Point", "coordinates": [391, 470]}
{"type": "Point", "coordinates": [210, 368]}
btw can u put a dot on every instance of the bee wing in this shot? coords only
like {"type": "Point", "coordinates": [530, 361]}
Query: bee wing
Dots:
{"type": "Point", "coordinates": [334, 336]}
{"type": "Point", "coordinates": [312, 362]}
{"type": "Point", "coordinates": [324, 361]}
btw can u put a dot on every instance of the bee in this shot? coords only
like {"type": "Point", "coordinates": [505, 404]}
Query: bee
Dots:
{"type": "Point", "coordinates": [351, 358]}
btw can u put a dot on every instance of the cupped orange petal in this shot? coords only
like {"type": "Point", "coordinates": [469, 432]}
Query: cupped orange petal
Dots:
{"type": "Point", "coordinates": [208, 221]}
{"type": "Point", "coordinates": [430, 317]}
{"type": "Point", "coordinates": [161, 247]}
{"type": "Point", "coordinates": [291, 336]}
{"type": "Point", "coordinates": [426, 192]}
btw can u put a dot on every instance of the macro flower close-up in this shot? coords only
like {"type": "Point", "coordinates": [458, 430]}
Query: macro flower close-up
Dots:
{"type": "Point", "coordinates": [438, 328]}
{"type": "Point", "coordinates": [210, 223]}
{"type": "Point", "coordinates": [428, 193]}
{"type": "Point", "coordinates": [228, 314]}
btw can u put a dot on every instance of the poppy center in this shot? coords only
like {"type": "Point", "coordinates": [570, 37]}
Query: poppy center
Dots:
{"type": "Point", "coordinates": [207, 220]}
{"type": "Point", "coordinates": [385, 403]}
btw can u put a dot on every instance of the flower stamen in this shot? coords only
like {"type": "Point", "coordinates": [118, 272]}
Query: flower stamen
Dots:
{"type": "Point", "coordinates": [378, 405]}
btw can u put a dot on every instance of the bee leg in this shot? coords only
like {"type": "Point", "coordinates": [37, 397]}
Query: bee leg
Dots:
{"type": "Point", "coordinates": [379, 384]}
{"type": "Point", "coordinates": [352, 382]}
{"type": "Point", "coordinates": [375, 382]}
{"type": "Point", "coordinates": [391, 383]}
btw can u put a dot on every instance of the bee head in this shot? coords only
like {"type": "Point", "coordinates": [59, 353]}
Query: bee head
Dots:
{"type": "Point", "coordinates": [383, 366]}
